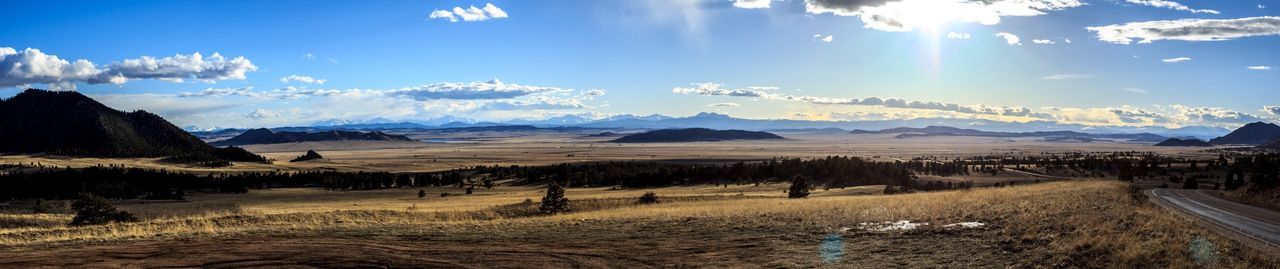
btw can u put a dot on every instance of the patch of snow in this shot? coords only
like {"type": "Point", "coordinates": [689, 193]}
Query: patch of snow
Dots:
{"type": "Point", "coordinates": [901, 225]}
{"type": "Point", "coordinates": [965, 225]}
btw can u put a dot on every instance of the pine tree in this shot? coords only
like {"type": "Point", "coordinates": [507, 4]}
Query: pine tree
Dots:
{"type": "Point", "coordinates": [554, 202]}
{"type": "Point", "coordinates": [799, 187]}
{"type": "Point", "coordinates": [93, 210]}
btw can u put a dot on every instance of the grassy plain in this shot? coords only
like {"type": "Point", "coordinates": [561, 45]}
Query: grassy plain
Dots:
{"type": "Point", "coordinates": [1078, 223]}
{"type": "Point", "coordinates": [541, 148]}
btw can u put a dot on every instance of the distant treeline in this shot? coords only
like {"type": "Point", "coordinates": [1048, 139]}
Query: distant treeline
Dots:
{"type": "Point", "coordinates": [833, 172]}
{"type": "Point", "coordinates": [131, 183]}
{"type": "Point", "coordinates": [128, 183]}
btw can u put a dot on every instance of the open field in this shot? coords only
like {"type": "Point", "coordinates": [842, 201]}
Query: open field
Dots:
{"type": "Point", "coordinates": [540, 148]}
{"type": "Point", "coordinates": [1093, 224]}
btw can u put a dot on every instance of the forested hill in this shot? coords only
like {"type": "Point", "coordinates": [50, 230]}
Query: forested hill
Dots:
{"type": "Point", "coordinates": [69, 123]}
{"type": "Point", "coordinates": [694, 135]}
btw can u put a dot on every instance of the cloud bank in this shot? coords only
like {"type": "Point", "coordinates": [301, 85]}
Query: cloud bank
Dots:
{"type": "Point", "coordinates": [32, 66]}
{"type": "Point", "coordinates": [1187, 30]}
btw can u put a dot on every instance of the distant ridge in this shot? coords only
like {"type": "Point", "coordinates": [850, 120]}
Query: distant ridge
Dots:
{"type": "Point", "coordinates": [694, 135]}
{"type": "Point", "coordinates": [905, 132]}
{"type": "Point", "coordinates": [1250, 134]}
{"type": "Point", "coordinates": [1175, 142]}
{"type": "Point", "coordinates": [266, 136]}
{"type": "Point", "coordinates": [69, 123]}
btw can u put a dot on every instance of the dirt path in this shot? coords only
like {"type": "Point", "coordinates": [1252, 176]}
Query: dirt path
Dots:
{"type": "Point", "coordinates": [1252, 225]}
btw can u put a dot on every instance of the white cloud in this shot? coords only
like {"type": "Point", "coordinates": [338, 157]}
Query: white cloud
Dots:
{"type": "Point", "coordinates": [1171, 5]}
{"type": "Point", "coordinates": [470, 14]}
{"type": "Point", "coordinates": [262, 114]}
{"type": "Point", "coordinates": [726, 104]}
{"type": "Point", "coordinates": [492, 89]}
{"type": "Point", "coordinates": [593, 93]}
{"type": "Point", "coordinates": [1273, 110]}
{"type": "Point", "coordinates": [1260, 6]}
{"type": "Point", "coordinates": [220, 92]}
{"type": "Point", "coordinates": [302, 79]}
{"type": "Point", "coordinates": [31, 66]}
{"type": "Point", "coordinates": [1066, 76]}
{"type": "Point", "coordinates": [752, 4]}
{"type": "Point", "coordinates": [180, 67]}
{"type": "Point", "coordinates": [1168, 115]}
{"type": "Point", "coordinates": [822, 38]}
{"type": "Point", "coordinates": [1068, 40]}
{"type": "Point", "coordinates": [1188, 30]}
{"type": "Point", "coordinates": [494, 11]}
{"type": "Point", "coordinates": [715, 89]}
{"type": "Point", "coordinates": [954, 35]}
{"type": "Point", "coordinates": [443, 14]}
{"type": "Point", "coordinates": [1176, 60]}
{"type": "Point", "coordinates": [308, 56]}
{"type": "Point", "coordinates": [1259, 67]}
{"type": "Point", "coordinates": [906, 15]}
{"type": "Point", "coordinates": [1043, 41]}
{"type": "Point", "coordinates": [1010, 38]}
{"type": "Point", "coordinates": [1135, 90]}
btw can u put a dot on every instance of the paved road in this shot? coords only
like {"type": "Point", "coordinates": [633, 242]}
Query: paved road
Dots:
{"type": "Point", "coordinates": [1254, 225]}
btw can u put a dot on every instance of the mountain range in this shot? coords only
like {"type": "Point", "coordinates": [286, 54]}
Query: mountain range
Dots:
{"type": "Point", "coordinates": [722, 121]}
{"type": "Point", "coordinates": [267, 136]}
{"type": "Point", "coordinates": [694, 135]}
{"type": "Point", "coordinates": [906, 132]}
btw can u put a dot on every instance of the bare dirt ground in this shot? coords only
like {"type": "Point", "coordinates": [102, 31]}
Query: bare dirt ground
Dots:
{"type": "Point", "coordinates": [588, 244]}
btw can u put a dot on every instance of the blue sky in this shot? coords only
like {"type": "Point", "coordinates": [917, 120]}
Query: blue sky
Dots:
{"type": "Point", "coordinates": [1206, 62]}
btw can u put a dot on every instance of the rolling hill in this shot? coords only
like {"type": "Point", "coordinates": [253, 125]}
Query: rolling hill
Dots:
{"type": "Point", "coordinates": [1175, 142]}
{"type": "Point", "coordinates": [267, 136]}
{"type": "Point", "coordinates": [72, 124]}
{"type": "Point", "coordinates": [694, 135]}
{"type": "Point", "coordinates": [1250, 134]}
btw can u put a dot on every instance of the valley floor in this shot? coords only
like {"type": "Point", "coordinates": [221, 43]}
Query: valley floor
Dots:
{"type": "Point", "coordinates": [1078, 223]}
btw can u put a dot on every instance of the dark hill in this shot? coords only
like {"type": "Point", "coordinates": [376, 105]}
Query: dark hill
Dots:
{"type": "Point", "coordinates": [266, 136]}
{"type": "Point", "coordinates": [1174, 142]}
{"type": "Point", "coordinates": [694, 135]}
{"type": "Point", "coordinates": [311, 155]}
{"type": "Point", "coordinates": [71, 124]}
{"type": "Point", "coordinates": [1250, 134]}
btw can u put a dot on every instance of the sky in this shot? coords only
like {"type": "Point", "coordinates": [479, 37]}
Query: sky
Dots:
{"type": "Point", "coordinates": [222, 64]}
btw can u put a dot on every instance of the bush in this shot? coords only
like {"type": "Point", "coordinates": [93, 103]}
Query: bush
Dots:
{"type": "Point", "coordinates": [554, 202]}
{"type": "Point", "coordinates": [94, 210]}
{"type": "Point", "coordinates": [649, 198]}
{"type": "Point", "coordinates": [1190, 184]}
{"type": "Point", "coordinates": [799, 187]}
{"type": "Point", "coordinates": [422, 193]}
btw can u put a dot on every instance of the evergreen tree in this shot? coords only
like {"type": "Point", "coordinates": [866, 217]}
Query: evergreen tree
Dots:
{"type": "Point", "coordinates": [799, 187]}
{"type": "Point", "coordinates": [93, 210]}
{"type": "Point", "coordinates": [554, 202]}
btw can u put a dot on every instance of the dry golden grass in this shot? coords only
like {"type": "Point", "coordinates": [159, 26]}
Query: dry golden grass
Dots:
{"type": "Point", "coordinates": [1058, 224]}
